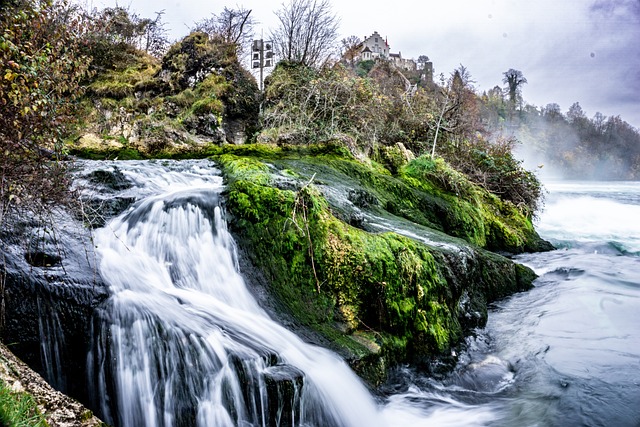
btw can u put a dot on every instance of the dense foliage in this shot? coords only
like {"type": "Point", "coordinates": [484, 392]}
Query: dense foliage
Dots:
{"type": "Point", "coordinates": [41, 66]}
{"type": "Point", "coordinates": [373, 112]}
{"type": "Point", "coordinates": [116, 34]}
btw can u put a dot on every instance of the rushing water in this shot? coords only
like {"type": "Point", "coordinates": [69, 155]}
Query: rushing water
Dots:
{"type": "Point", "coordinates": [566, 353]}
{"type": "Point", "coordinates": [183, 342]}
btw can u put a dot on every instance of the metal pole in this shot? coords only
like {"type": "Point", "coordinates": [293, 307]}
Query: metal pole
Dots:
{"type": "Point", "coordinates": [261, 63]}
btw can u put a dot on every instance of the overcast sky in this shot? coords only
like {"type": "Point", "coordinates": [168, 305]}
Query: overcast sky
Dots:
{"type": "Point", "coordinates": [585, 51]}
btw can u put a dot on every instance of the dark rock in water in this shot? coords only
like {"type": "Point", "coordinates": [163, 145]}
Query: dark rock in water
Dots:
{"type": "Point", "coordinates": [284, 388]}
{"type": "Point", "coordinates": [362, 198]}
{"type": "Point", "coordinates": [51, 289]}
{"type": "Point", "coordinates": [113, 180]}
{"type": "Point", "coordinates": [102, 203]}
{"type": "Point", "coordinates": [98, 211]}
{"type": "Point", "coordinates": [42, 259]}
{"type": "Point", "coordinates": [282, 391]}
{"type": "Point", "coordinates": [357, 219]}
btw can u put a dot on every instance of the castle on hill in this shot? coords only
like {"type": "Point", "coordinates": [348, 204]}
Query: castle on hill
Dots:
{"type": "Point", "coordinates": [374, 47]}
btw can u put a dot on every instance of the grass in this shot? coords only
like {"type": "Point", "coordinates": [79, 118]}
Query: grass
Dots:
{"type": "Point", "coordinates": [19, 409]}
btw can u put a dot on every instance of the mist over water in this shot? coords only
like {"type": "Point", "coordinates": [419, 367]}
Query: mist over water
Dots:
{"type": "Point", "coordinates": [600, 213]}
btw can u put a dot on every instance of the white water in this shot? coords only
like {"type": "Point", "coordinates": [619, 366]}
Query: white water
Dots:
{"type": "Point", "coordinates": [181, 321]}
{"type": "Point", "coordinates": [184, 343]}
{"type": "Point", "coordinates": [566, 353]}
{"type": "Point", "coordinates": [593, 212]}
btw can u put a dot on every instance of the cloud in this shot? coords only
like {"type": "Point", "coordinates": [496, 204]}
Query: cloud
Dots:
{"type": "Point", "coordinates": [616, 26]}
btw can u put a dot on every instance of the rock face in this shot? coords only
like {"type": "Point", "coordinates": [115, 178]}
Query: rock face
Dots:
{"type": "Point", "coordinates": [58, 409]}
{"type": "Point", "coordinates": [199, 96]}
{"type": "Point", "coordinates": [52, 288]}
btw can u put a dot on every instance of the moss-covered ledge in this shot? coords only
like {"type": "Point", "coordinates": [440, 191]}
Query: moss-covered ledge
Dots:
{"type": "Point", "coordinates": [379, 298]}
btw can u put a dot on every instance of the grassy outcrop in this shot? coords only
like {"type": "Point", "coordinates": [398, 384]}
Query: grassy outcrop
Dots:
{"type": "Point", "coordinates": [380, 297]}
{"type": "Point", "coordinates": [197, 96]}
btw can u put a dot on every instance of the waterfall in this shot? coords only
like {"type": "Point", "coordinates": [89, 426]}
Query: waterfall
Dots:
{"type": "Point", "coordinates": [182, 342]}
{"type": "Point", "coordinates": [52, 344]}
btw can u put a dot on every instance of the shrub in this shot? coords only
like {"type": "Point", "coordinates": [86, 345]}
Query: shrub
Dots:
{"type": "Point", "coordinates": [41, 67]}
{"type": "Point", "coordinates": [324, 105]}
{"type": "Point", "coordinates": [493, 166]}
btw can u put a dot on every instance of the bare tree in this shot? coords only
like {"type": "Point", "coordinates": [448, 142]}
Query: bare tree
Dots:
{"type": "Point", "coordinates": [422, 61]}
{"type": "Point", "coordinates": [463, 78]}
{"type": "Point", "coordinates": [514, 79]}
{"type": "Point", "coordinates": [231, 25]}
{"type": "Point", "coordinates": [155, 35]}
{"type": "Point", "coordinates": [307, 32]}
{"type": "Point", "coordinates": [351, 48]}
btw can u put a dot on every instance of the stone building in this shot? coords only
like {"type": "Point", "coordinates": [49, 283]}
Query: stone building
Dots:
{"type": "Point", "coordinates": [376, 47]}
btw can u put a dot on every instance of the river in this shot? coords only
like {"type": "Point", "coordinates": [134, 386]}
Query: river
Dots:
{"type": "Point", "coordinates": [182, 336]}
{"type": "Point", "coordinates": [566, 353]}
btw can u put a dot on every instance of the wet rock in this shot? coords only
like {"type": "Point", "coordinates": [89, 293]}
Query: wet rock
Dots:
{"type": "Point", "coordinates": [97, 211]}
{"type": "Point", "coordinates": [284, 389]}
{"type": "Point", "coordinates": [42, 259]}
{"type": "Point", "coordinates": [113, 180]}
{"type": "Point", "coordinates": [51, 289]}
{"type": "Point", "coordinates": [362, 198]}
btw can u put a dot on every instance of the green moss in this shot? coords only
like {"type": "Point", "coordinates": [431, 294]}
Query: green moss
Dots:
{"type": "Point", "coordinates": [107, 154]}
{"type": "Point", "coordinates": [207, 105]}
{"type": "Point", "coordinates": [120, 84]}
{"type": "Point", "coordinates": [380, 298]}
{"type": "Point", "coordinates": [327, 271]}
{"type": "Point", "coordinates": [86, 415]}
{"type": "Point", "coordinates": [427, 192]}
{"type": "Point", "coordinates": [183, 99]}
{"type": "Point", "coordinates": [471, 212]}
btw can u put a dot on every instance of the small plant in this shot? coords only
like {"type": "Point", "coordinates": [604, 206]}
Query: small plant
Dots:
{"type": "Point", "coordinates": [19, 409]}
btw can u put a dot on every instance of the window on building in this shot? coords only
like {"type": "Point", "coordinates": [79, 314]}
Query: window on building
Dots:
{"type": "Point", "coordinates": [256, 64]}
{"type": "Point", "coordinates": [376, 40]}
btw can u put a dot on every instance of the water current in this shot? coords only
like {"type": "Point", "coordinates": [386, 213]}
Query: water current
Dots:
{"type": "Point", "coordinates": [183, 342]}
{"type": "Point", "coordinates": [566, 353]}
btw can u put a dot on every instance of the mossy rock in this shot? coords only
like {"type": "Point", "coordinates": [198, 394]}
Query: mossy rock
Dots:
{"type": "Point", "coordinates": [379, 297]}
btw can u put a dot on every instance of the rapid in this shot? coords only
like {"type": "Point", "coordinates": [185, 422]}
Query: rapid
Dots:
{"type": "Point", "coordinates": [566, 353]}
{"type": "Point", "coordinates": [183, 342]}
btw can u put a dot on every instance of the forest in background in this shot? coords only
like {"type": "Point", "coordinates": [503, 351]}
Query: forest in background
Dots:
{"type": "Point", "coordinates": [56, 57]}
